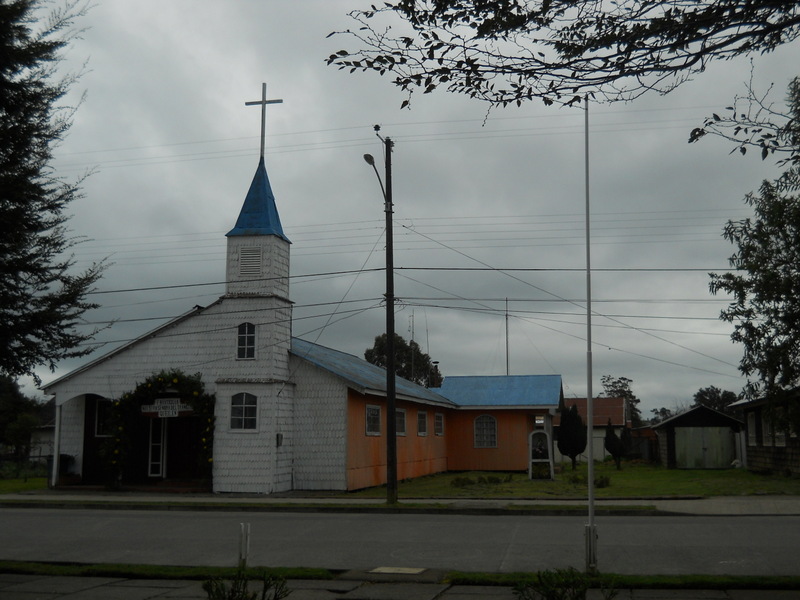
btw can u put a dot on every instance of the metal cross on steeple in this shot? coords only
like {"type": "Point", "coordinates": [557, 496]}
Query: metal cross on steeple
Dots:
{"type": "Point", "coordinates": [263, 102]}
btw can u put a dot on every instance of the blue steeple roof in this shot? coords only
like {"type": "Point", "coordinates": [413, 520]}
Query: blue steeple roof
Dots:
{"type": "Point", "coordinates": [259, 214]}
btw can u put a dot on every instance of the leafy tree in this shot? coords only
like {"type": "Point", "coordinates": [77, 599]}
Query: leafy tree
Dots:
{"type": "Point", "coordinates": [41, 301]}
{"type": "Point", "coordinates": [410, 361]}
{"type": "Point", "coordinates": [753, 121]}
{"type": "Point", "coordinates": [19, 417]}
{"type": "Point", "coordinates": [715, 398]}
{"type": "Point", "coordinates": [620, 387]}
{"type": "Point", "coordinates": [509, 51]}
{"type": "Point", "coordinates": [572, 433]}
{"type": "Point", "coordinates": [660, 414]}
{"type": "Point", "coordinates": [765, 288]}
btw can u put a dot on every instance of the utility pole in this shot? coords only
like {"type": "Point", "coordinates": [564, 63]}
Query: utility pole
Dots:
{"type": "Point", "coordinates": [391, 416]}
{"type": "Point", "coordinates": [391, 409]}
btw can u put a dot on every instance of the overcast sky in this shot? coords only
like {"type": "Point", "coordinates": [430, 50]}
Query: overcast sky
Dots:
{"type": "Point", "coordinates": [165, 128]}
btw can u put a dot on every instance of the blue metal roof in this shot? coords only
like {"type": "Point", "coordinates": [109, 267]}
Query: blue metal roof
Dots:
{"type": "Point", "coordinates": [362, 374]}
{"type": "Point", "coordinates": [259, 214]}
{"type": "Point", "coordinates": [502, 390]}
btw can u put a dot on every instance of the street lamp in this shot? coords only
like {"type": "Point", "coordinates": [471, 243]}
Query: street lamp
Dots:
{"type": "Point", "coordinates": [391, 424]}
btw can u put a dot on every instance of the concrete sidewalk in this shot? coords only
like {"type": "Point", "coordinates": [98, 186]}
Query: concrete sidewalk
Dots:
{"type": "Point", "coordinates": [32, 587]}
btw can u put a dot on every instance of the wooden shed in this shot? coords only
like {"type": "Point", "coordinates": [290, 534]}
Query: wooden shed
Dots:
{"type": "Point", "coordinates": [699, 438]}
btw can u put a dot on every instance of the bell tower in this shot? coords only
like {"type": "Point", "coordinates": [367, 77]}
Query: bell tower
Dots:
{"type": "Point", "coordinates": [258, 251]}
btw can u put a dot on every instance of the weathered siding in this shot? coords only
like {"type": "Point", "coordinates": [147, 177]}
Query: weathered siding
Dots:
{"type": "Point", "coordinates": [320, 414]}
{"type": "Point", "coordinates": [248, 460]}
{"type": "Point", "coordinates": [511, 453]}
{"type": "Point", "coordinates": [417, 455]}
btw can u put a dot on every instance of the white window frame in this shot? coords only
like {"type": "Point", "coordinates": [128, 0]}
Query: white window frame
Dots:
{"type": "Point", "coordinates": [485, 437]}
{"type": "Point", "coordinates": [400, 421]}
{"type": "Point", "coordinates": [376, 410]}
{"type": "Point", "coordinates": [438, 424]}
{"type": "Point", "coordinates": [766, 430]}
{"type": "Point", "coordinates": [752, 433]}
{"type": "Point", "coordinates": [245, 418]}
{"type": "Point", "coordinates": [246, 341]}
{"type": "Point", "coordinates": [422, 423]}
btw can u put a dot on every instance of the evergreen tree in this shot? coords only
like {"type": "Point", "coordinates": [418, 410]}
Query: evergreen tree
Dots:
{"type": "Point", "coordinates": [19, 416]}
{"type": "Point", "coordinates": [410, 361]}
{"type": "Point", "coordinates": [571, 433]}
{"type": "Point", "coordinates": [614, 445]}
{"type": "Point", "coordinates": [41, 300]}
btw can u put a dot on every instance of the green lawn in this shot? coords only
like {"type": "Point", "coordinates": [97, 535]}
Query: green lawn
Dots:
{"type": "Point", "coordinates": [13, 486]}
{"type": "Point", "coordinates": [634, 480]}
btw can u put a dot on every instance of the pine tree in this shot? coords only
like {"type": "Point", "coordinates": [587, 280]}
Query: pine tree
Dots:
{"type": "Point", "coordinates": [41, 300]}
{"type": "Point", "coordinates": [571, 433]}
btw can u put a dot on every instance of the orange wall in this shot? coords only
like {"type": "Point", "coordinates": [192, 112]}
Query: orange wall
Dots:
{"type": "Point", "coordinates": [511, 454]}
{"type": "Point", "coordinates": [416, 455]}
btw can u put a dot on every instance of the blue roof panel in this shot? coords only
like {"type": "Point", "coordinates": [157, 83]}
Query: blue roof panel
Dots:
{"type": "Point", "coordinates": [502, 390]}
{"type": "Point", "coordinates": [259, 214]}
{"type": "Point", "coordinates": [358, 371]}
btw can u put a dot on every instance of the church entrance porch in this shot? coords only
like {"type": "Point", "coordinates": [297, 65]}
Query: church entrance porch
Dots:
{"type": "Point", "coordinates": [161, 432]}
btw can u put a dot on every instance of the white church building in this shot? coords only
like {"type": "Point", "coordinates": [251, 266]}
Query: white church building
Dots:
{"type": "Point", "coordinates": [285, 414]}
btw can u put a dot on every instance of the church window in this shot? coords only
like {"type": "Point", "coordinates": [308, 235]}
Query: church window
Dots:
{"type": "Point", "coordinates": [485, 432]}
{"type": "Point", "coordinates": [422, 423]}
{"type": "Point", "coordinates": [244, 413]}
{"type": "Point", "coordinates": [250, 261]}
{"type": "Point", "coordinates": [438, 424]}
{"type": "Point", "coordinates": [373, 420]}
{"type": "Point", "coordinates": [400, 421]}
{"type": "Point", "coordinates": [246, 341]}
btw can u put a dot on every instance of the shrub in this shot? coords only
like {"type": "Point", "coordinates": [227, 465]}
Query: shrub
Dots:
{"type": "Point", "coordinates": [559, 584]}
{"type": "Point", "coordinates": [462, 482]}
{"type": "Point", "coordinates": [602, 482]}
{"type": "Point", "coordinates": [273, 588]}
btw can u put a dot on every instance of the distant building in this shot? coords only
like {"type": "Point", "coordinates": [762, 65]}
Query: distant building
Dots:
{"type": "Point", "coordinates": [770, 445]}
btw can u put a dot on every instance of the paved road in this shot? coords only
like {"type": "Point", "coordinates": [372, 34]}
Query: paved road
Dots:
{"type": "Point", "coordinates": [658, 545]}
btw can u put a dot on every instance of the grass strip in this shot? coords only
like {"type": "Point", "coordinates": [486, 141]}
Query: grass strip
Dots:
{"type": "Point", "coordinates": [49, 569]}
{"type": "Point", "coordinates": [641, 582]}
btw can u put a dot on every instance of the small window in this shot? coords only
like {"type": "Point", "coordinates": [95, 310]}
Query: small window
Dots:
{"type": "Point", "coordinates": [246, 341]}
{"type": "Point", "coordinates": [373, 420]}
{"type": "Point", "coordinates": [485, 432]}
{"type": "Point", "coordinates": [400, 421]}
{"type": "Point", "coordinates": [244, 411]}
{"type": "Point", "coordinates": [250, 261]}
{"type": "Point", "coordinates": [438, 424]}
{"type": "Point", "coordinates": [103, 417]}
{"type": "Point", "coordinates": [422, 423]}
{"type": "Point", "coordinates": [766, 429]}
{"type": "Point", "coordinates": [752, 434]}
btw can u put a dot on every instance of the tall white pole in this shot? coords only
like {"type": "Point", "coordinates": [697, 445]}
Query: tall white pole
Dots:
{"type": "Point", "coordinates": [591, 533]}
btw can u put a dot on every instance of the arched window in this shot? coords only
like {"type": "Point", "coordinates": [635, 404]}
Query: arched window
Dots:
{"type": "Point", "coordinates": [246, 341]}
{"type": "Point", "coordinates": [485, 432]}
{"type": "Point", "coordinates": [244, 411]}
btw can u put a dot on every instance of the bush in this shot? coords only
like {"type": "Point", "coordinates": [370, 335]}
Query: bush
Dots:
{"type": "Point", "coordinates": [559, 584]}
{"type": "Point", "coordinates": [273, 588]}
{"type": "Point", "coordinates": [462, 482]}
{"type": "Point", "coordinates": [602, 482]}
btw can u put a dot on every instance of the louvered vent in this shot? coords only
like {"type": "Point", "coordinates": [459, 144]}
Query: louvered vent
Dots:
{"type": "Point", "coordinates": [250, 262]}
